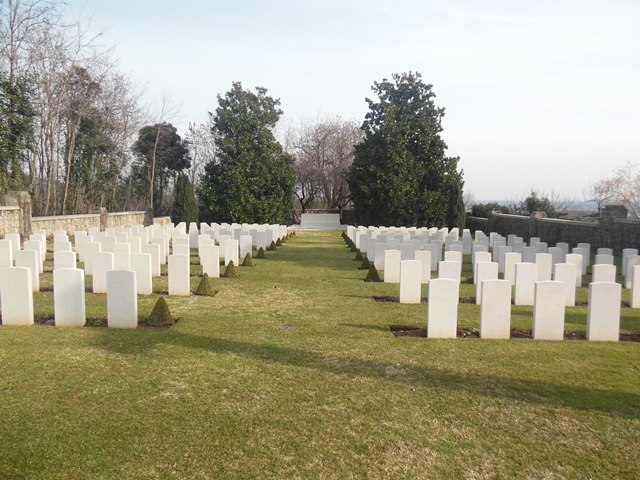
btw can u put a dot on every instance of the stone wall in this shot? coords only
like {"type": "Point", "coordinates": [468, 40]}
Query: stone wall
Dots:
{"type": "Point", "coordinates": [161, 220]}
{"type": "Point", "coordinates": [9, 220]}
{"type": "Point", "coordinates": [68, 223]}
{"type": "Point", "coordinates": [125, 219]}
{"type": "Point", "coordinates": [616, 233]}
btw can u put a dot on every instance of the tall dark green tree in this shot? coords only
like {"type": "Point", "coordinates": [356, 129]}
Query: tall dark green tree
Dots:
{"type": "Point", "coordinates": [252, 178]}
{"type": "Point", "coordinates": [16, 130]}
{"type": "Point", "coordinates": [400, 173]}
{"type": "Point", "coordinates": [160, 154]}
{"type": "Point", "coordinates": [184, 208]}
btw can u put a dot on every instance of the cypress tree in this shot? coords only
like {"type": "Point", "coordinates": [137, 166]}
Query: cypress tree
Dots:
{"type": "Point", "coordinates": [184, 207]}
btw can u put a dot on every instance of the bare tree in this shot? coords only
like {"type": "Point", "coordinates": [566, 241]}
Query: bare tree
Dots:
{"type": "Point", "coordinates": [202, 149]}
{"type": "Point", "coordinates": [622, 187]}
{"type": "Point", "coordinates": [324, 152]}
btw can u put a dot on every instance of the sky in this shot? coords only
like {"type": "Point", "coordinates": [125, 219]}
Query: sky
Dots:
{"type": "Point", "coordinates": [538, 94]}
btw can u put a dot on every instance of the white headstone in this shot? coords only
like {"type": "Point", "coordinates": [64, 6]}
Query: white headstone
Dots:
{"type": "Point", "coordinates": [122, 301]}
{"type": "Point", "coordinates": [584, 252]}
{"type": "Point", "coordinates": [577, 260]}
{"type": "Point", "coordinates": [68, 297]}
{"type": "Point", "coordinates": [484, 271]}
{"type": "Point", "coordinates": [436, 254]}
{"type": "Point", "coordinates": [480, 257]}
{"type": "Point", "coordinates": [410, 284]}
{"type": "Point", "coordinates": [29, 259]}
{"type": "Point", "coordinates": [510, 261]}
{"type": "Point", "coordinates": [35, 246]}
{"type": "Point", "coordinates": [603, 312]}
{"type": "Point", "coordinates": [603, 273]}
{"type": "Point", "coordinates": [502, 251]}
{"type": "Point", "coordinates": [230, 247]}
{"type": "Point", "coordinates": [450, 270]}
{"type": "Point", "coordinates": [14, 238]}
{"type": "Point", "coordinates": [141, 265]}
{"type": "Point", "coordinates": [89, 249]}
{"type": "Point", "coordinates": [101, 263]}
{"type": "Point", "coordinates": [178, 275]}
{"type": "Point", "coordinates": [442, 316]}
{"type": "Point", "coordinates": [210, 260]}
{"type": "Point", "coordinates": [557, 254]}
{"type": "Point", "coordinates": [16, 295]}
{"type": "Point", "coordinates": [565, 273]}
{"type": "Point", "coordinates": [548, 310]}
{"type": "Point", "coordinates": [392, 266]}
{"type": "Point", "coordinates": [153, 249]}
{"type": "Point", "coordinates": [604, 251]}
{"type": "Point", "coordinates": [635, 287]}
{"type": "Point", "coordinates": [604, 259]}
{"type": "Point", "coordinates": [122, 256]}
{"type": "Point", "coordinates": [632, 261]}
{"type": "Point", "coordinates": [64, 259]}
{"type": "Point", "coordinates": [544, 262]}
{"type": "Point", "coordinates": [424, 256]}
{"type": "Point", "coordinates": [62, 246]}
{"type": "Point", "coordinates": [245, 246]}
{"type": "Point", "coordinates": [526, 278]}
{"type": "Point", "coordinates": [495, 312]}
{"type": "Point", "coordinates": [453, 256]}
{"type": "Point", "coordinates": [529, 254]}
{"type": "Point", "coordinates": [626, 252]}
{"type": "Point", "coordinates": [6, 253]}
{"type": "Point", "coordinates": [181, 249]}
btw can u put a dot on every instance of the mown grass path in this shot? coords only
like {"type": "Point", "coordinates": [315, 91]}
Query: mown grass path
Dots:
{"type": "Point", "coordinates": [291, 372]}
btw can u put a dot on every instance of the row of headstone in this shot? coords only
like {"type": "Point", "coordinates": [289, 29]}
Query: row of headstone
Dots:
{"type": "Point", "coordinates": [603, 310]}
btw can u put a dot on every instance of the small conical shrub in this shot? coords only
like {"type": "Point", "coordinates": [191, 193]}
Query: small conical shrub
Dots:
{"type": "Point", "coordinates": [160, 315]}
{"type": "Point", "coordinates": [278, 243]}
{"type": "Point", "coordinates": [372, 275]}
{"type": "Point", "coordinates": [248, 261]}
{"type": "Point", "coordinates": [358, 256]}
{"type": "Point", "coordinates": [260, 253]}
{"type": "Point", "coordinates": [272, 246]}
{"type": "Point", "coordinates": [353, 248]}
{"type": "Point", "coordinates": [205, 287]}
{"type": "Point", "coordinates": [293, 234]}
{"type": "Point", "coordinates": [365, 262]}
{"type": "Point", "coordinates": [231, 271]}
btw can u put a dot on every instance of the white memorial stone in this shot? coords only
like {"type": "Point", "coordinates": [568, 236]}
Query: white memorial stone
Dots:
{"type": "Point", "coordinates": [6, 253]}
{"type": "Point", "coordinates": [178, 273]}
{"type": "Point", "coordinates": [634, 301]}
{"type": "Point", "coordinates": [577, 260]}
{"type": "Point", "coordinates": [141, 265]}
{"type": "Point", "coordinates": [545, 266]}
{"type": "Point", "coordinates": [449, 270]}
{"type": "Point", "coordinates": [230, 247]}
{"type": "Point", "coordinates": [604, 259]}
{"type": "Point", "coordinates": [565, 273]}
{"type": "Point", "coordinates": [245, 246]}
{"type": "Point", "coordinates": [16, 295]}
{"type": "Point", "coordinates": [153, 249]}
{"type": "Point", "coordinates": [29, 259]}
{"type": "Point", "coordinates": [548, 310]}
{"type": "Point", "coordinates": [603, 272]}
{"type": "Point", "coordinates": [63, 259]}
{"type": "Point", "coordinates": [424, 256]}
{"type": "Point", "coordinates": [392, 266]}
{"type": "Point", "coordinates": [68, 297]}
{"type": "Point", "coordinates": [484, 271]}
{"type": "Point", "coordinates": [101, 263]}
{"type": "Point", "coordinates": [122, 256]}
{"type": "Point", "coordinates": [410, 284]}
{"type": "Point", "coordinates": [510, 261]}
{"type": "Point", "coordinates": [525, 283]}
{"type": "Point", "coordinates": [122, 301]}
{"type": "Point", "coordinates": [210, 260]}
{"type": "Point", "coordinates": [632, 261]}
{"type": "Point", "coordinates": [495, 312]}
{"type": "Point", "coordinates": [603, 312]}
{"type": "Point", "coordinates": [443, 308]}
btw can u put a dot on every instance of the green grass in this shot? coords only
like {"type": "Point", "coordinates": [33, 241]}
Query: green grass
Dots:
{"type": "Point", "coordinates": [291, 372]}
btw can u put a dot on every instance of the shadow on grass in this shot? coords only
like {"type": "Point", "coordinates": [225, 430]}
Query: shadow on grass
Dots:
{"type": "Point", "coordinates": [624, 404]}
{"type": "Point", "coordinates": [365, 327]}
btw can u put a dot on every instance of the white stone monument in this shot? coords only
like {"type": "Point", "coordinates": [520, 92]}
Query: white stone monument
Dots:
{"type": "Point", "coordinates": [178, 275]}
{"type": "Point", "coordinates": [603, 312]}
{"type": "Point", "coordinates": [495, 312]}
{"type": "Point", "coordinates": [16, 296]}
{"type": "Point", "coordinates": [122, 301]}
{"type": "Point", "coordinates": [69, 297]}
{"type": "Point", "coordinates": [548, 310]}
{"type": "Point", "coordinates": [442, 311]}
{"type": "Point", "coordinates": [410, 284]}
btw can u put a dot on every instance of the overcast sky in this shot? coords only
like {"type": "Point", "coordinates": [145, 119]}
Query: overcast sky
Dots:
{"type": "Point", "coordinates": [541, 94]}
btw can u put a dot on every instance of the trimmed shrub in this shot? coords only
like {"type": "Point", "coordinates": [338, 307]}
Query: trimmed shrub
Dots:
{"type": "Point", "coordinates": [248, 261]}
{"type": "Point", "coordinates": [205, 287]}
{"type": "Point", "coordinates": [372, 275]}
{"type": "Point", "coordinates": [365, 262]}
{"type": "Point", "coordinates": [358, 256]}
{"type": "Point", "coordinates": [261, 253]}
{"type": "Point", "coordinates": [278, 243]}
{"type": "Point", "coordinates": [231, 271]}
{"type": "Point", "coordinates": [160, 315]}
{"type": "Point", "coordinates": [272, 246]}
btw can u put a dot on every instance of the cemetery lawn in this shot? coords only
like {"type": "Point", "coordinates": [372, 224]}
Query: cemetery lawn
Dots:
{"type": "Point", "coordinates": [290, 371]}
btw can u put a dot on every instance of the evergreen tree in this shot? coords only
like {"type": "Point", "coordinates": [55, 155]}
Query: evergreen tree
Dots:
{"type": "Point", "coordinates": [252, 179]}
{"type": "Point", "coordinates": [184, 207]}
{"type": "Point", "coordinates": [400, 174]}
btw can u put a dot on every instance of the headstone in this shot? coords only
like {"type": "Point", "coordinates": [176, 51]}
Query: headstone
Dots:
{"type": "Point", "coordinates": [101, 263]}
{"type": "Point", "coordinates": [541, 247]}
{"type": "Point", "coordinates": [526, 278]}
{"type": "Point", "coordinates": [495, 312]}
{"type": "Point", "coordinates": [378, 255]}
{"type": "Point", "coordinates": [135, 244]}
{"type": "Point", "coordinates": [510, 261]}
{"type": "Point", "coordinates": [64, 259]}
{"type": "Point", "coordinates": [90, 248]}
{"type": "Point", "coordinates": [480, 257]}
{"type": "Point", "coordinates": [484, 271]}
{"type": "Point", "coordinates": [603, 272]}
{"type": "Point", "coordinates": [230, 248]}
{"type": "Point", "coordinates": [436, 254]}
{"type": "Point", "coordinates": [141, 265]}
{"type": "Point", "coordinates": [604, 259]}
{"type": "Point", "coordinates": [16, 295]}
{"type": "Point", "coordinates": [245, 245]}
{"type": "Point", "coordinates": [584, 252]}
{"type": "Point", "coordinates": [604, 251]}
{"type": "Point", "coordinates": [29, 259]}
{"type": "Point", "coordinates": [153, 249]}
{"type": "Point", "coordinates": [529, 254]}
{"type": "Point", "coordinates": [603, 312]}
{"type": "Point", "coordinates": [449, 269]}
{"type": "Point", "coordinates": [62, 246]}
{"type": "Point", "coordinates": [122, 256]}
{"type": "Point", "coordinates": [261, 241]}
{"type": "Point", "coordinates": [35, 246]}
{"type": "Point", "coordinates": [564, 246]}
{"type": "Point", "coordinates": [210, 261]}
{"type": "Point", "coordinates": [6, 253]}
{"type": "Point", "coordinates": [14, 238]}
{"type": "Point", "coordinates": [502, 251]}
{"type": "Point", "coordinates": [548, 310]}
{"type": "Point", "coordinates": [442, 316]}
{"type": "Point", "coordinates": [626, 252]}
{"type": "Point", "coordinates": [635, 287]}
{"type": "Point", "coordinates": [565, 273]}
{"type": "Point", "coordinates": [453, 256]}
{"type": "Point", "coordinates": [163, 249]}
{"type": "Point", "coordinates": [122, 301]}
{"type": "Point", "coordinates": [557, 254]}
{"type": "Point", "coordinates": [68, 297]}
{"type": "Point", "coordinates": [544, 262]}
{"type": "Point", "coordinates": [577, 260]}
{"type": "Point", "coordinates": [181, 249]}
{"type": "Point", "coordinates": [392, 266]}
{"type": "Point", "coordinates": [410, 284]}
{"type": "Point", "coordinates": [178, 273]}
{"type": "Point", "coordinates": [632, 261]}
{"type": "Point", "coordinates": [424, 257]}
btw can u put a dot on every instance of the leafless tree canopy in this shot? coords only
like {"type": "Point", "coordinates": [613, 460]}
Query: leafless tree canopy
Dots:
{"type": "Point", "coordinates": [323, 151]}
{"type": "Point", "coordinates": [620, 188]}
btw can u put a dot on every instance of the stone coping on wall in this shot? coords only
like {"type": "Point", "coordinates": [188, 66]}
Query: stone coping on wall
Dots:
{"type": "Point", "coordinates": [64, 217]}
{"type": "Point", "coordinates": [569, 222]}
{"type": "Point", "coordinates": [6, 209]}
